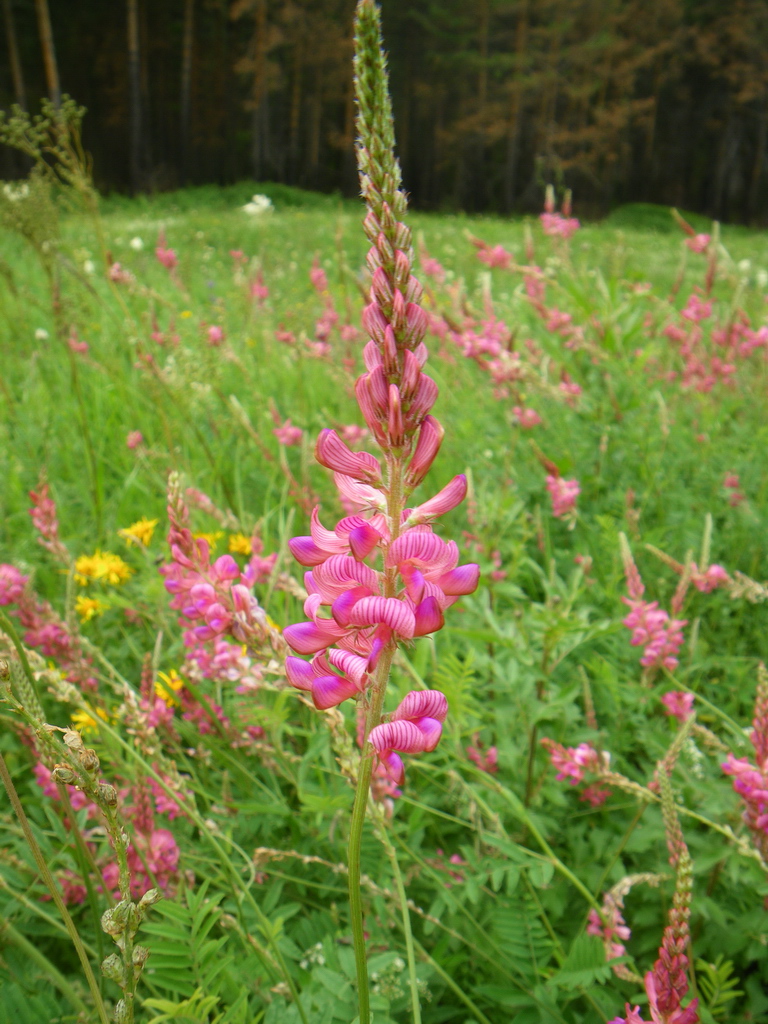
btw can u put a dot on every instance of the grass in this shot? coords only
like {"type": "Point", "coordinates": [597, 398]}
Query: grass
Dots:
{"type": "Point", "coordinates": [525, 657]}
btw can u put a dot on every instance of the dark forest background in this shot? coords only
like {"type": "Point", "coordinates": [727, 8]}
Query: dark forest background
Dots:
{"type": "Point", "coordinates": [662, 101]}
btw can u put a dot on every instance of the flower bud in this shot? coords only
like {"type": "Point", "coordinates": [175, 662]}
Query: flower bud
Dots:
{"type": "Point", "coordinates": [398, 311]}
{"type": "Point", "coordinates": [371, 226]}
{"type": "Point", "coordinates": [402, 270]}
{"type": "Point", "coordinates": [390, 351]}
{"type": "Point", "coordinates": [112, 968]}
{"type": "Point", "coordinates": [150, 897]}
{"type": "Point", "coordinates": [381, 288]}
{"type": "Point", "coordinates": [374, 322]}
{"type": "Point", "coordinates": [107, 794]}
{"type": "Point", "coordinates": [416, 324]}
{"type": "Point", "coordinates": [403, 237]}
{"type": "Point", "coordinates": [395, 420]}
{"type": "Point", "coordinates": [121, 1014]}
{"type": "Point", "coordinates": [427, 447]}
{"type": "Point", "coordinates": [89, 760]}
{"type": "Point", "coordinates": [384, 249]}
{"type": "Point", "coordinates": [61, 773]}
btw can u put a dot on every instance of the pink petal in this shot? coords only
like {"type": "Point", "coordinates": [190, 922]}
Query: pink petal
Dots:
{"type": "Point", "coordinates": [331, 452]}
{"type": "Point", "coordinates": [421, 704]}
{"type": "Point", "coordinates": [415, 546]}
{"type": "Point", "coordinates": [350, 664]}
{"type": "Point", "coordinates": [390, 611]}
{"type": "Point", "coordinates": [326, 540]}
{"type": "Point", "coordinates": [311, 637]}
{"type": "Point", "coordinates": [393, 765]}
{"type": "Point", "coordinates": [429, 617]}
{"type": "Point", "coordinates": [461, 580]}
{"type": "Point", "coordinates": [328, 691]}
{"type": "Point", "coordinates": [362, 540]}
{"type": "Point", "coordinates": [341, 609]}
{"type": "Point", "coordinates": [363, 495]}
{"type": "Point", "coordinates": [403, 736]}
{"type": "Point", "coordinates": [306, 552]}
{"type": "Point", "coordinates": [341, 573]}
{"type": "Point", "coordinates": [414, 582]}
{"type": "Point", "coordinates": [299, 673]}
{"type": "Point", "coordinates": [431, 729]}
{"type": "Point", "coordinates": [448, 498]}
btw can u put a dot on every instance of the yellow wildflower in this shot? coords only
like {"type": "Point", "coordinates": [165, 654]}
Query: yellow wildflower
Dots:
{"type": "Point", "coordinates": [239, 544]}
{"type": "Point", "coordinates": [86, 723]}
{"type": "Point", "coordinates": [212, 538]}
{"type": "Point", "coordinates": [88, 607]}
{"type": "Point", "coordinates": [185, 314]}
{"type": "Point", "coordinates": [171, 683]}
{"type": "Point", "coordinates": [140, 532]}
{"type": "Point", "coordinates": [102, 566]}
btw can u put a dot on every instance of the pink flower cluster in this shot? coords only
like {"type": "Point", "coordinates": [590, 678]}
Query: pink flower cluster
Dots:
{"type": "Point", "coordinates": [678, 705]}
{"type": "Point", "coordinates": [414, 727]}
{"type": "Point", "coordinates": [12, 584]}
{"type": "Point", "coordinates": [572, 762]}
{"type": "Point", "coordinates": [732, 484]}
{"type": "Point", "coordinates": [564, 494]}
{"type": "Point", "coordinates": [558, 225]}
{"type": "Point", "coordinates": [653, 629]}
{"type": "Point", "coordinates": [492, 255]}
{"type": "Point", "coordinates": [486, 760]}
{"type": "Point", "coordinates": [612, 928]}
{"type": "Point", "coordinates": [750, 780]}
{"type": "Point", "coordinates": [46, 522]}
{"type": "Point", "coordinates": [166, 256]}
{"type": "Point", "coordinates": [698, 243]}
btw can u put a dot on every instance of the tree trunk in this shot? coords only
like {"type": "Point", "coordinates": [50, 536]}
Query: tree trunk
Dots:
{"type": "Point", "coordinates": [134, 90]}
{"type": "Point", "coordinates": [295, 110]}
{"type": "Point", "coordinates": [515, 110]}
{"type": "Point", "coordinates": [13, 55]}
{"type": "Point", "coordinates": [186, 87]}
{"type": "Point", "coordinates": [49, 51]}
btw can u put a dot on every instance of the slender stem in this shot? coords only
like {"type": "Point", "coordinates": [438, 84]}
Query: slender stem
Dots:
{"type": "Point", "coordinates": [50, 882]}
{"type": "Point", "coordinates": [29, 692]}
{"type": "Point", "coordinates": [9, 934]}
{"type": "Point", "coordinates": [378, 693]}
{"type": "Point", "coordinates": [376, 705]}
{"type": "Point", "coordinates": [399, 885]}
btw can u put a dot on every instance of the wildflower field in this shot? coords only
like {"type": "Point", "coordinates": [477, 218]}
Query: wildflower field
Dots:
{"type": "Point", "coordinates": [282, 743]}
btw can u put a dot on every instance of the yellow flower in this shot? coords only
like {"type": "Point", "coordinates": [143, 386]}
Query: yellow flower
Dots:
{"type": "Point", "coordinates": [212, 538]}
{"type": "Point", "coordinates": [173, 681]}
{"type": "Point", "coordinates": [140, 532]}
{"type": "Point", "coordinates": [88, 607]}
{"type": "Point", "coordinates": [86, 723]}
{"type": "Point", "coordinates": [102, 566]}
{"type": "Point", "coordinates": [239, 544]}
{"type": "Point", "coordinates": [271, 622]}
{"type": "Point", "coordinates": [185, 314]}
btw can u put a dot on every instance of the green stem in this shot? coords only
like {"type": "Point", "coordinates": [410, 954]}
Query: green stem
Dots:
{"type": "Point", "coordinates": [9, 934]}
{"type": "Point", "coordinates": [53, 889]}
{"type": "Point", "coordinates": [379, 690]}
{"type": "Point", "coordinates": [29, 692]}
{"type": "Point", "coordinates": [399, 885]}
{"type": "Point", "coordinates": [471, 1006]}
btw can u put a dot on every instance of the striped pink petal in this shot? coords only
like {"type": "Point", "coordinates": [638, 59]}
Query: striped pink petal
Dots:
{"type": "Point", "coordinates": [362, 495]}
{"type": "Point", "coordinates": [312, 605]}
{"type": "Point", "coordinates": [403, 736]}
{"type": "Point", "coordinates": [327, 540]}
{"type": "Point", "coordinates": [422, 704]}
{"type": "Point", "coordinates": [341, 573]}
{"type": "Point", "coordinates": [386, 610]}
{"type": "Point", "coordinates": [341, 609]}
{"type": "Point", "coordinates": [299, 673]}
{"type": "Point", "coordinates": [311, 637]}
{"type": "Point", "coordinates": [350, 664]}
{"type": "Point", "coordinates": [461, 580]}
{"type": "Point", "coordinates": [331, 452]}
{"type": "Point", "coordinates": [414, 546]}
{"type": "Point", "coordinates": [328, 691]}
{"type": "Point", "coordinates": [431, 730]}
{"type": "Point", "coordinates": [448, 498]}
{"type": "Point", "coordinates": [429, 617]}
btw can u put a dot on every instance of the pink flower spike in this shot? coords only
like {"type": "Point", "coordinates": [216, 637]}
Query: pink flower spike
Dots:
{"type": "Point", "coordinates": [699, 243]}
{"type": "Point", "coordinates": [288, 435]}
{"type": "Point", "coordinates": [134, 439]}
{"type": "Point", "coordinates": [678, 704]}
{"type": "Point", "coordinates": [215, 335]}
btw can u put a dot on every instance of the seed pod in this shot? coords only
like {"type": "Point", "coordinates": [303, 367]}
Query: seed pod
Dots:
{"type": "Point", "coordinates": [108, 794]}
{"type": "Point", "coordinates": [121, 1015]}
{"type": "Point", "coordinates": [65, 775]}
{"type": "Point", "coordinates": [89, 760]}
{"type": "Point", "coordinates": [112, 968]}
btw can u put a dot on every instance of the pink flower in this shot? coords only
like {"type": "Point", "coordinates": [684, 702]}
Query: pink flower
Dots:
{"type": "Point", "coordinates": [416, 726]}
{"type": "Point", "coordinates": [714, 577]}
{"type": "Point", "coordinates": [571, 762]}
{"type": "Point", "coordinates": [652, 628]}
{"type": "Point", "coordinates": [259, 290]}
{"type": "Point", "coordinates": [118, 275]}
{"type": "Point", "coordinates": [564, 494]}
{"type": "Point", "coordinates": [75, 343]}
{"type": "Point", "coordinates": [595, 795]}
{"type": "Point", "coordinates": [353, 433]}
{"type": "Point", "coordinates": [486, 761]}
{"type": "Point", "coordinates": [697, 310]}
{"type": "Point", "coordinates": [11, 584]}
{"type": "Point", "coordinates": [632, 1016]}
{"type": "Point", "coordinates": [288, 435]}
{"type": "Point", "coordinates": [678, 704]}
{"type": "Point", "coordinates": [699, 243]}
{"type": "Point", "coordinates": [318, 277]}
{"type": "Point", "coordinates": [165, 256]}
{"type": "Point", "coordinates": [215, 335]}
{"type": "Point", "coordinates": [556, 225]}
{"type": "Point", "coordinates": [731, 481]}
{"type": "Point", "coordinates": [527, 418]}
{"type": "Point", "coordinates": [134, 439]}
